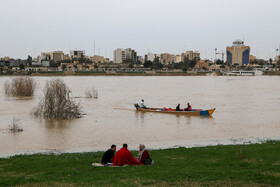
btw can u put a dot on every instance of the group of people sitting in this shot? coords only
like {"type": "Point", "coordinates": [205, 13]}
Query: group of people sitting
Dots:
{"type": "Point", "coordinates": [125, 157]}
{"type": "Point", "coordinates": [189, 108]}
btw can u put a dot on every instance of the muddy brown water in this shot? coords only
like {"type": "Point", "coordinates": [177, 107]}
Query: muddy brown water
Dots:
{"type": "Point", "coordinates": [248, 110]}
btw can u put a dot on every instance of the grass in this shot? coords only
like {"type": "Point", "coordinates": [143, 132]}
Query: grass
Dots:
{"type": "Point", "coordinates": [231, 165]}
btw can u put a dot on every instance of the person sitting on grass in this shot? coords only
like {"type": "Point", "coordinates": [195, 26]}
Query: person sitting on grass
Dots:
{"type": "Point", "coordinates": [124, 157]}
{"type": "Point", "coordinates": [143, 156]}
{"type": "Point", "coordinates": [108, 156]}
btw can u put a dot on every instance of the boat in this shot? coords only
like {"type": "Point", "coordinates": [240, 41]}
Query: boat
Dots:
{"type": "Point", "coordinates": [245, 73]}
{"type": "Point", "coordinates": [193, 112]}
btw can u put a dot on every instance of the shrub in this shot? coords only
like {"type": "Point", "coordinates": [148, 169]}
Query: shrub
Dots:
{"type": "Point", "coordinates": [15, 126]}
{"type": "Point", "coordinates": [91, 93]}
{"type": "Point", "coordinates": [57, 102]}
{"type": "Point", "coordinates": [20, 86]}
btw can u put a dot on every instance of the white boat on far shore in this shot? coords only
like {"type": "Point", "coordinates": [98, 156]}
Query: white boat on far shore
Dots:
{"type": "Point", "coordinates": [245, 73]}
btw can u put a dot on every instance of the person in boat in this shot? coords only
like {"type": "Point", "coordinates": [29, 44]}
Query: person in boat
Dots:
{"type": "Point", "coordinates": [124, 157]}
{"type": "Point", "coordinates": [108, 155]}
{"type": "Point", "coordinates": [178, 108]}
{"type": "Point", "coordinates": [141, 104]}
{"type": "Point", "coordinates": [189, 108]}
{"type": "Point", "coordinates": [143, 156]}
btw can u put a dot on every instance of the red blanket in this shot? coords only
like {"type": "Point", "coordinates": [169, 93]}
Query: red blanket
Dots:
{"type": "Point", "coordinates": [124, 157]}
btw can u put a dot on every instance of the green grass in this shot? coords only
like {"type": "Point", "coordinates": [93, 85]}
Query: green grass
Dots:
{"type": "Point", "coordinates": [234, 165]}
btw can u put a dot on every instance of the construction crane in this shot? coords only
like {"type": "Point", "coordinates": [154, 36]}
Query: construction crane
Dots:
{"type": "Point", "coordinates": [219, 53]}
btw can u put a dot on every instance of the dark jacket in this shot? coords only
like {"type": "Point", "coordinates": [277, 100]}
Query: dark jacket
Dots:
{"type": "Point", "coordinates": [145, 155]}
{"type": "Point", "coordinates": [107, 156]}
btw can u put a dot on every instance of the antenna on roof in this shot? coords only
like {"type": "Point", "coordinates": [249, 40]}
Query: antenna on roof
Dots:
{"type": "Point", "coordinates": [94, 48]}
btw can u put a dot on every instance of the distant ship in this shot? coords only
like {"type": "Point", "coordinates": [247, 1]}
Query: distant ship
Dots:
{"type": "Point", "coordinates": [245, 73]}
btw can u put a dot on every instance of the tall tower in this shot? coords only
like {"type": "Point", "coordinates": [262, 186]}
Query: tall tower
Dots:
{"type": "Point", "coordinates": [238, 53]}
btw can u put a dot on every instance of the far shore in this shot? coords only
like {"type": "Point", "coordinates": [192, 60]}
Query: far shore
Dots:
{"type": "Point", "coordinates": [109, 73]}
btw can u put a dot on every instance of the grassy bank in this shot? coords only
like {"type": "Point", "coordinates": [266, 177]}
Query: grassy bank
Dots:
{"type": "Point", "coordinates": [239, 165]}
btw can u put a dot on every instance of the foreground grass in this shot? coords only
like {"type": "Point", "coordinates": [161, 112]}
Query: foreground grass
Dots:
{"type": "Point", "coordinates": [235, 165]}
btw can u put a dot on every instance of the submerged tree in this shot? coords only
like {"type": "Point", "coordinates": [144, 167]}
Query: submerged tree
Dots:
{"type": "Point", "coordinates": [57, 102]}
{"type": "Point", "coordinates": [20, 86]}
{"type": "Point", "coordinates": [91, 93]}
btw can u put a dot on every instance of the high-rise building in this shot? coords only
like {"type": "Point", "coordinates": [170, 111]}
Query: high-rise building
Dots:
{"type": "Point", "coordinates": [238, 53]}
{"type": "Point", "coordinates": [57, 56]}
{"type": "Point", "coordinates": [166, 58]}
{"type": "Point", "coordinates": [191, 55]}
{"type": "Point", "coordinates": [178, 58]}
{"type": "Point", "coordinates": [125, 54]}
{"type": "Point", "coordinates": [77, 54]}
{"type": "Point", "coordinates": [150, 57]}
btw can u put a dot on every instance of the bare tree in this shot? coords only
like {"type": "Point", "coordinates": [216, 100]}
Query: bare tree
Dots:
{"type": "Point", "coordinates": [57, 102]}
{"type": "Point", "coordinates": [20, 86]}
{"type": "Point", "coordinates": [91, 93]}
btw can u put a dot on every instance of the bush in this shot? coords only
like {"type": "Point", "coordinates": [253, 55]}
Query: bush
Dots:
{"type": "Point", "coordinates": [57, 102]}
{"type": "Point", "coordinates": [15, 126]}
{"type": "Point", "coordinates": [20, 86]}
{"type": "Point", "coordinates": [91, 93]}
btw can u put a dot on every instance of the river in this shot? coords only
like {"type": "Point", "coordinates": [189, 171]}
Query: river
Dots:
{"type": "Point", "coordinates": [247, 110]}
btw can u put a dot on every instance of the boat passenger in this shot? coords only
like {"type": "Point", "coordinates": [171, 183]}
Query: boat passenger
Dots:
{"type": "Point", "coordinates": [178, 108]}
{"type": "Point", "coordinates": [142, 105]}
{"type": "Point", "coordinates": [108, 156]}
{"type": "Point", "coordinates": [189, 107]}
{"type": "Point", "coordinates": [124, 157]}
{"type": "Point", "coordinates": [143, 156]}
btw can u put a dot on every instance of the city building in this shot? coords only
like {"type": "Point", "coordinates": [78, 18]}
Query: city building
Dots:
{"type": "Point", "coordinates": [252, 58]}
{"type": "Point", "coordinates": [75, 54]}
{"type": "Point", "coordinates": [57, 56]}
{"type": "Point", "coordinates": [124, 54]}
{"type": "Point", "coordinates": [202, 64]}
{"type": "Point", "coordinates": [97, 59]}
{"type": "Point", "coordinates": [150, 57]}
{"type": "Point", "coordinates": [238, 53]}
{"type": "Point", "coordinates": [178, 58]}
{"type": "Point", "coordinates": [191, 55]}
{"type": "Point", "coordinates": [166, 58]}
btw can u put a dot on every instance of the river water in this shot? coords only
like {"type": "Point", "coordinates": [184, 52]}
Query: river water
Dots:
{"type": "Point", "coordinates": [247, 109]}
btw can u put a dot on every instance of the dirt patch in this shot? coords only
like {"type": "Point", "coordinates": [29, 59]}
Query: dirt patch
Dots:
{"type": "Point", "coordinates": [210, 183]}
{"type": "Point", "coordinates": [213, 161]}
{"type": "Point", "coordinates": [175, 157]}
{"type": "Point", "coordinates": [252, 160]}
{"type": "Point", "coordinates": [272, 174]}
{"type": "Point", "coordinates": [44, 185]}
{"type": "Point", "coordinates": [276, 164]}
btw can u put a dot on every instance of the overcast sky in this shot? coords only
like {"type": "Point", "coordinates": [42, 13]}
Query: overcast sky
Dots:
{"type": "Point", "coordinates": [35, 26]}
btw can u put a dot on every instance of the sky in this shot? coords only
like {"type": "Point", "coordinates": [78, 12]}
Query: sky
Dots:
{"type": "Point", "coordinates": [29, 27]}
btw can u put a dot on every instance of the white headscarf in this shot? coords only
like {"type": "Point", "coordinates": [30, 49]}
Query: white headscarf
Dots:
{"type": "Point", "coordinates": [141, 151]}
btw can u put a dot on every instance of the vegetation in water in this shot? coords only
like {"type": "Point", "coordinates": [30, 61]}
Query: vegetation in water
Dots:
{"type": "Point", "coordinates": [20, 86]}
{"type": "Point", "coordinates": [57, 102]}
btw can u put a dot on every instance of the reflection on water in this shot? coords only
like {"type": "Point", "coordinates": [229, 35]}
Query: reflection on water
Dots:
{"type": "Point", "coordinates": [248, 108]}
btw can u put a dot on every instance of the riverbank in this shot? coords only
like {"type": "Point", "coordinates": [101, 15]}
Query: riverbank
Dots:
{"type": "Point", "coordinates": [230, 165]}
{"type": "Point", "coordinates": [103, 73]}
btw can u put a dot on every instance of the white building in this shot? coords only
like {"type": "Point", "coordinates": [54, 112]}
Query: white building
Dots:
{"type": "Point", "coordinates": [121, 54]}
{"type": "Point", "coordinates": [150, 57]}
